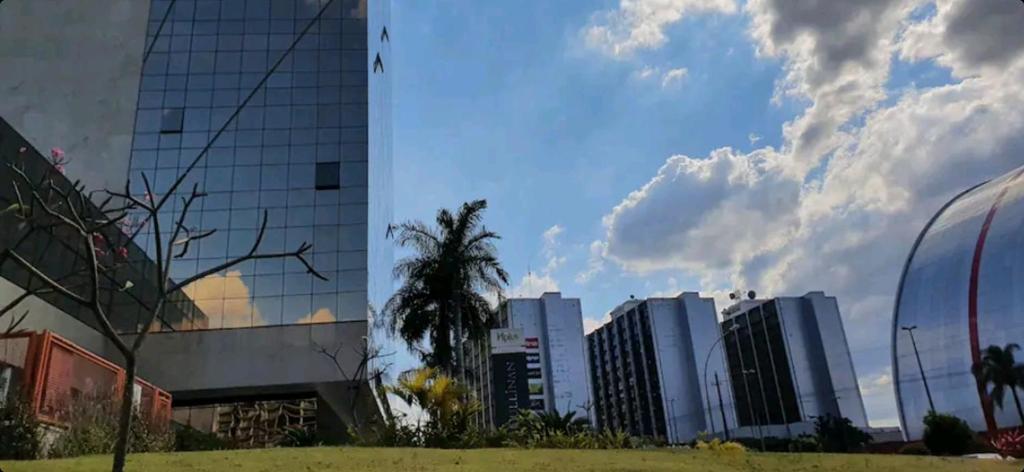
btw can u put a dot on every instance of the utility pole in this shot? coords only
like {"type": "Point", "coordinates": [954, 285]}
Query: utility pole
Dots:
{"type": "Point", "coordinates": [707, 393]}
{"type": "Point", "coordinates": [673, 433]}
{"type": "Point", "coordinates": [760, 380]}
{"type": "Point", "coordinates": [927, 391]}
{"type": "Point", "coordinates": [771, 363]}
{"type": "Point", "coordinates": [721, 406]}
{"type": "Point", "coordinates": [756, 417]}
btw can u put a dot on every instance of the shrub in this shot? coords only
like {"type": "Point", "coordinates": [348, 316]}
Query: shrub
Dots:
{"type": "Point", "coordinates": [613, 440]}
{"type": "Point", "coordinates": [187, 438]}
{"type": "Point", "coordinates": [838, 434]}
{"type": "Point", "coordinates": [392, 433]}
{"type": "Point", "coordinates": [496, 438]}
{"type": "Point", "coordinates": [914, 449]}
{"type": "Point", "coordinates": [92, 429]}
{"type": "Point", "coordinates": [454, 430]}
{"type": "Point", "coordinates": [947, 435]}
{"type": "Point", "coordinates": [560, 440]}
{"type": "Point", "coordinates": [717, 445]}
{"type": "Point", "coordinates": [1009, 443]}
{"type": "Point", "coordinates": [803, 443]}
{"type": "Point", "coordinates": [298, 436]}
{"type": "Point", "coordinates": [581, 439]}
{"type": "Point", "coordinates": [19, 431]}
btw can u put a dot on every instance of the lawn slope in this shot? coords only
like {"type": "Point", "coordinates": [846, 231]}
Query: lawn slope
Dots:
{"type": "Point", "coordinates": [501, 460]}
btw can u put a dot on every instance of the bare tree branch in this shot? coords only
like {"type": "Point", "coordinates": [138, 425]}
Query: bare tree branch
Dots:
{"type": "Point", "coordinates": [57, 287]}
{"type": "Point", "coordinates": [15, 323]}
{"type": "Point", "coordinates": [157, 241]}
{"type": "Point", "coordinates": [97, 308]}
{"type": "Point", "coordinates": [367, 354]}
{"type": "Point", "coordinates": [45, 206]}
{"type": "Point", "coordinates": [298, 254]}
{"type": "Point", "coordinates": [178, 226]}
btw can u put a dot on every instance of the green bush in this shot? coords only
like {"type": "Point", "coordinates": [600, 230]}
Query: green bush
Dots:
{"type": "Point", "coordinates": [803, 443]}
{"type": "Point", "coordinates": [838, 434]}
{"type": "Point", "coordinates": [298, 436]}
{"type": "Point", "coordinates": [496, 438]}
{"type": "Point", "coordinates": [914, 449]}
{"type": "Point", "coordinates": [583, 439]}
{"type": "Point", "coordinates": [947, 435]}
{"type": "Point", "coordinates": [551, 430]}
{"type": "Point", "coordinates": [19, 431]}
{"type": "Point", "coordinates": [92, 429]}
{"type": "Point", "coordinates": [393, 433]}
{"type": "Point", "coordinates": [717, 445]}
{"type": "Point", "coordinates": [614, 440]}
{"type": "Point", "coordinates": [187, 438]}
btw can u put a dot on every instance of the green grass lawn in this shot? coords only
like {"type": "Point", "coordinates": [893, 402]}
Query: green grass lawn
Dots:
{"type": "Point", "coordinates": [500, 460]}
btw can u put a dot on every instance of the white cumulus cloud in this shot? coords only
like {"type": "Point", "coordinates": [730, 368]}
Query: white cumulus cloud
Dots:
{"type": "Point", "coordinates": [641, 24]}
{"type": "Point", "coordinates": [673, 77]}
{"type": "Point", "coordinates": [595, 262]}
{"type": "Point", "coordinates": [535, 284]}
{"type": "Point", "coordinates": [877, 384]}
{"type": "Point", "coordinates": [591, 324]}
{"type": "Point", "coordinates": [670, 78]}
{"type": "Point", "coordinates": [837, 207]}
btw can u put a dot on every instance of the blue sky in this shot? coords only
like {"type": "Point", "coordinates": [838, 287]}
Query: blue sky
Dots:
{"type": "Point", "coordinates": [499, 100]}
{"type": "Point", "coordinates": [649, 147]}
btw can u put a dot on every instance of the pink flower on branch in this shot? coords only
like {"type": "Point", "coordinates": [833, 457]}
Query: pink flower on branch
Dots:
{"type": "Point", "coordinates": [99, 244]}
{"type": "Point", "coordinates": [58, 159]}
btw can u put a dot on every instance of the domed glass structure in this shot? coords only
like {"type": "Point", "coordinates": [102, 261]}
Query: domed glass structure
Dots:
{"type": "Point", "coordinates": [962, 290]}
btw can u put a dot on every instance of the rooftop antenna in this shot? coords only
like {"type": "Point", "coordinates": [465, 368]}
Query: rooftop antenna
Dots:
{"type": "Point", "coordinates": [529, 279]}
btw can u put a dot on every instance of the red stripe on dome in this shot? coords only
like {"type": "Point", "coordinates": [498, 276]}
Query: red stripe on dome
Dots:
{"type": "Point", "coordinates": [972, 301]}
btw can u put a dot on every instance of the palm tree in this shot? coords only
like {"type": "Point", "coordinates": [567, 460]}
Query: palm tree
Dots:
{"type": "Point", "coordinates": [440, 298]}
{"type": "Point", "coordinates": [438, 395]}
{"type": "Point", "coordinates": [999, 368]}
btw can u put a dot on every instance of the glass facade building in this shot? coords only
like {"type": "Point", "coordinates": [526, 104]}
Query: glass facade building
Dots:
{"type": "Point", "coordinates": [759, 368]}
{"type": "Point", "coordinates": [649, 368]}
{"type": "Point", "coordinates": [309, 146]}
{"type": "Point", "coordinates": [960, 292]}
{"type": "Point", "coordinates": [789, 363]}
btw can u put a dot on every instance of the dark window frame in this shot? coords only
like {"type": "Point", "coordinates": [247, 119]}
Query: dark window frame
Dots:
{"type": "Point", "coordinates": [328, 175]}
{"type": "Point", "coordinates": [172, 120]}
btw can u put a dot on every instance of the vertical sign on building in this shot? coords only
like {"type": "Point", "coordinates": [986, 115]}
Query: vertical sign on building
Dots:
{"type": "Point", "coordinates": [511, 390]}
{"type": "Point", "coordinates": [534, 374]}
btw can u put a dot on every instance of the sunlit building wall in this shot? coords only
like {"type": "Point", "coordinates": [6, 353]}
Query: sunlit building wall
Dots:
{"type": "Point", "coordinates": [789, 363]}
{"type": "Point", "coordinates": [647, 368]}
{"type": "Point", "coordinates": [556, 361]}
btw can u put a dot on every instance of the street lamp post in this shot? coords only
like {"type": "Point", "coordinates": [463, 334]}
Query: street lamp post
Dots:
{"type": "Point", "coordinates": [672, 431]}
{"type": "Point", "coordinates": [756, 418]}
{"type": "Point", "coordinates": [707, 392]}
{"type": "Point", "coordinates": [920, 367]}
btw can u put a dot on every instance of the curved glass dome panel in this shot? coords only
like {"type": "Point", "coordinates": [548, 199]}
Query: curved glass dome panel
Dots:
{"type": "Point", "coordinates": [963, 290]}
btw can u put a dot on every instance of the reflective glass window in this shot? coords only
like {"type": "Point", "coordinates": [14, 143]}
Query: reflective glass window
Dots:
{"type": "Point", "coordinates": [328, 175]}
{"type": "Point", "coordinates": [171, 120]}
